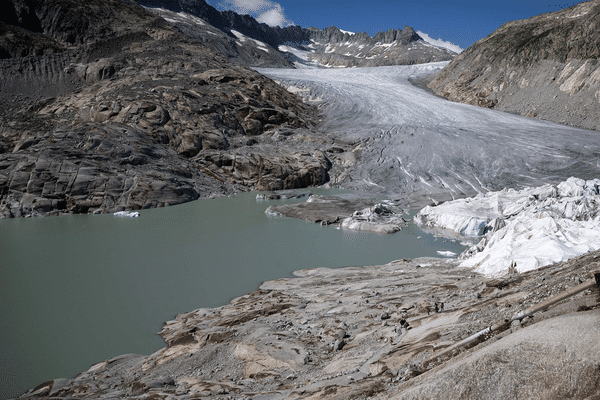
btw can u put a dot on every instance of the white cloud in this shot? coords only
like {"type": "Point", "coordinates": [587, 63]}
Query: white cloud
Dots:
{"type": "Point", "coordinates": [265, 11]}
{"type": "Point", "coordinates": [440, 42]}
{"type": "Point", "coordinates": [273, 17]}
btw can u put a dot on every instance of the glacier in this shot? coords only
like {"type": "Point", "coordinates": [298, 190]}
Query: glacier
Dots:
{"type": "Point", "coordinates": [528, 187]}
{"type": "Point", "coordinates": [422, 149]}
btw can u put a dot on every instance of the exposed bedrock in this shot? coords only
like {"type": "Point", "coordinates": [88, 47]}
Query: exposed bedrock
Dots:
{"type": "Point", "coordinates": [135, 114]}
{"type": "Point", "coordinates": [544, 67]}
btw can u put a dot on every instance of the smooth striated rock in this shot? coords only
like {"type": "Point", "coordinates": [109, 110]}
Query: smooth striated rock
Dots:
{"type": "Point", "coordinates": [320, 335]}
{"type": "Point", "coordinates": [136, 114]}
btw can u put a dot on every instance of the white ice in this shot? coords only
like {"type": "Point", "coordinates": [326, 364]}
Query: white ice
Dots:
{"type": "Point", "coordinates": [446, 253]}
{"type": "Point", "coordinates": [533, 227]}
{"type": "Point", "coordinates": [130, 214]}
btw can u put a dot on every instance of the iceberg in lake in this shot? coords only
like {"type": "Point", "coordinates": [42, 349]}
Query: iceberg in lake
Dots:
{"type": "Point", "coordinates": [131, 214]}
{"type": "Point", "coordinates": [533, 227]}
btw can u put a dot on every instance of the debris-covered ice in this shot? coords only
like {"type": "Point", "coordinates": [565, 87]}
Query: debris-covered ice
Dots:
{"type": "Point", "coordinates": [533, 227]}
{"type": "Point", "coordinates": [380, 218]}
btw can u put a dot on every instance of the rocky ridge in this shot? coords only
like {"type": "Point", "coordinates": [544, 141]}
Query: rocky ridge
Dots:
{"type": "Point", "coordinates": [357, 333]}
{"type": "Point", "coordinates": [127, 112]}
{"type": "Point", "coordinates": [332, 47]}
{"type": "Point", "coordinates": [252, 43]}
{"type": "Point", "coordinates": [228, 42]}
{"type": "Point", "coordinates": [543, 67]}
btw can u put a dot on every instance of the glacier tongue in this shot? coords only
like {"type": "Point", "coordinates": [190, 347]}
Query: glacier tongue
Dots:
{"type": "Point", "coordinates": [407, 144]}
{"type": "Point", "coordinates": [533, 227]}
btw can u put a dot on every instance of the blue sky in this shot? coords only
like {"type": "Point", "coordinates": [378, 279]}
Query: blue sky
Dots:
{"type": "Point", "coordinates": [459, 22]}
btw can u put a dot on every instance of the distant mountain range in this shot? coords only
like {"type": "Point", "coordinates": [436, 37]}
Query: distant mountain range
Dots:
{"type": "Point", "coordinates": [252, 43]}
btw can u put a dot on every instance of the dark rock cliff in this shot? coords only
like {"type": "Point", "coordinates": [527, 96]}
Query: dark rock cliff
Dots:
{"type": "Point", "coordinates": [544, 67]}
{"type": "Point", "coordinates": [228, 20]}
{"type": "Point", "coordinates": [104, 106]}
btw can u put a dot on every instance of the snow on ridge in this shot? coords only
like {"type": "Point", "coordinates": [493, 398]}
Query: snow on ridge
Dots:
{"type": "Point", "coordinates": [243, 38]}
{"type": "Point", "coordinates": [440, 43]}
{"type": "Point", "coordinates": [180, 17]}
{"type": "Point", "coordinates": [348, 32]}
{"type": "Point", "coordinates": [533, 227]}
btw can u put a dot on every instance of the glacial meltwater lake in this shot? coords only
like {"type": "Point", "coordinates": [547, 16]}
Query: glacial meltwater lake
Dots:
{"type": "Point", "coordinates": [79, 289]}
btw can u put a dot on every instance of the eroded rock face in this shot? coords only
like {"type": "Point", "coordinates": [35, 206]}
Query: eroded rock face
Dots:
{"type": "Point", "coordinates": [544, 67]}
{"type": "Point", "coordinates": [136, 114]}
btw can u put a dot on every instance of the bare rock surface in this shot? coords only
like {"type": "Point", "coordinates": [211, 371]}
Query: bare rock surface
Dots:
{"type": "Point", "coordinates": [536, 365]}
{"type": "Point", "coordinates": [127, 112]}
{"type": "Point", "coordinates": [543, 67]}
{"type": "Point", "coordinates": [364, 332]}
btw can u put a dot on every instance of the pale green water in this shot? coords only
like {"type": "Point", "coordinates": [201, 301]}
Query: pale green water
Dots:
{"type": "Point", "coordinates": [79, 289]}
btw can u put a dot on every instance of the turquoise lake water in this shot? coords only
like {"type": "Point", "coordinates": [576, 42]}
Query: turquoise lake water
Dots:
{"type": "Point", "coordinates": [79, 289]}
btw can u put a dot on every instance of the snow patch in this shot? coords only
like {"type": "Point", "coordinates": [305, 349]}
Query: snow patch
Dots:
{"type": "Point", "coordinates": [243, 38]}
{"type": "Point", "coordinates": [440, 43]}
{"type": "Point", "coordinates": [303, 55]}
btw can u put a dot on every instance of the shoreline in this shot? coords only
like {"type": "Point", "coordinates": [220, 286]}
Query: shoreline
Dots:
{"type": "Point", "coordinates": [334, 332]}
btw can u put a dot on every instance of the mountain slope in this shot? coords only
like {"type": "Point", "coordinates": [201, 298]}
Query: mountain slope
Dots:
{"type": "Point", "coordinates": [113, 108]}
{"type": "Point", "coordinates": [333, 47]}
{"type": "Point", "coordinates": [544, 67]}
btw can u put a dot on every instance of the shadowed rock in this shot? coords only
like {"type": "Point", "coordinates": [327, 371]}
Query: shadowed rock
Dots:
{"type": "Point", "coordinates": [136, 114]}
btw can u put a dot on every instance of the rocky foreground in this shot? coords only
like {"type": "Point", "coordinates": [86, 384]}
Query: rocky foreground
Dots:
{"type": "Point", "coordinates": [356, 333]}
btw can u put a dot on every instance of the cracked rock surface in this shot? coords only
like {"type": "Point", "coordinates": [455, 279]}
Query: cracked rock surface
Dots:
{"type": "Point", "coordinates": [132, 114]}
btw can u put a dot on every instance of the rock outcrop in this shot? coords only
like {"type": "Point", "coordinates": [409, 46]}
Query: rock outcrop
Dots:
{"type": "Point", "coordinates": [121, 110]}
{"type": "Point", "coordinates": [356, 333]}
{"type": "Point", "coordinates": [544, 67]}
{"type": "Point", "coordinates": [325, 210]}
